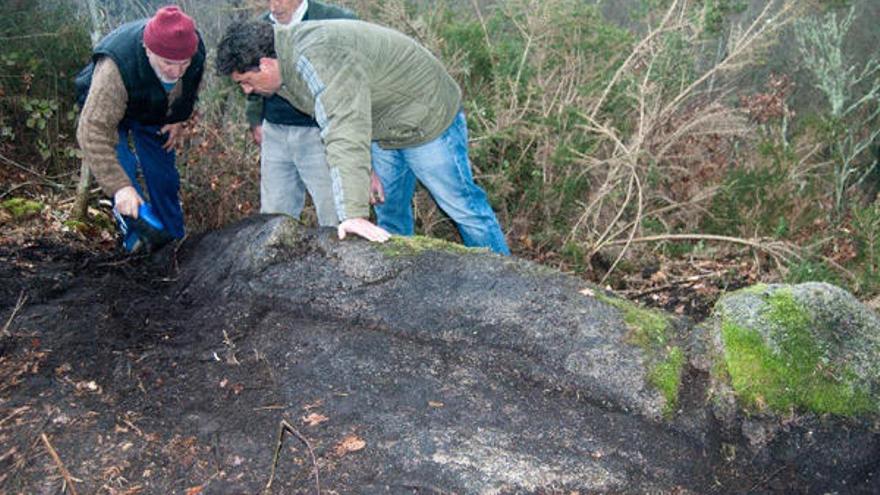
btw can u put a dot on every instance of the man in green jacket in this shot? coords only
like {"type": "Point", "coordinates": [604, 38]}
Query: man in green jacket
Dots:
{"type": "Point", "coordinates": [292, 158]}
{"type": "Point", "coordinates": [383, 102]}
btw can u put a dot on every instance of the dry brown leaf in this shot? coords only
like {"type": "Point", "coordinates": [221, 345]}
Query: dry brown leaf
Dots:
{"type": "Point", "coordinates": [314, 419]}
{"type": "Point", "coordinates": [348, 444]}
{"type": "Point", "coordinates": [436, 404]}
{"type": "Point", "coordinates": [88, 386]}
{"type": "Point", "coordinates": [196, 490]}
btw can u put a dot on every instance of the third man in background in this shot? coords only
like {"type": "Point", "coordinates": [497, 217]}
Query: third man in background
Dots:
{"type": "Point", "coordinates": [292, 156]}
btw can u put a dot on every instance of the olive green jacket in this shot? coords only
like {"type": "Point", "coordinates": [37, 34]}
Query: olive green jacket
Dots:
{"type": "Point", "coordinates": [254, 110]}
{"type": "Point", "coordinates": [362, 83]}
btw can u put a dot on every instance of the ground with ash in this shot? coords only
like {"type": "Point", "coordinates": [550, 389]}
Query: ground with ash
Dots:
{"type": "Point", "coordinates": [116, 381]}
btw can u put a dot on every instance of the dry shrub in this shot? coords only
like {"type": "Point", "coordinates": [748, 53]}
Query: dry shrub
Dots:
{"type": "Point", "coordinates": [679, 129]}
{"type": "Point", "coordinates": [220, 163]}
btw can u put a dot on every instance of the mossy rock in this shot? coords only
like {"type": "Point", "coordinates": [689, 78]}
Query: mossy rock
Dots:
{"type": "Point", "coordinates": [652, 331]}
{"type": "Point", "coordinates": [810, 348]}
{"type": "Point", "coordinates": [414, 245]}
{"type": "Point", "coordinates": [22, 208]}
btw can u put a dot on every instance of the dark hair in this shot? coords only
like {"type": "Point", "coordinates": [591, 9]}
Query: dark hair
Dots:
{"type": "Point", "coordinates": [243, 45]}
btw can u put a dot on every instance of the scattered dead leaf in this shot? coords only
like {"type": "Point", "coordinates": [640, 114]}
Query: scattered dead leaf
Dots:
{"type": "Point", "coordinates": [588, 292]}
{"type": "Point", "coordinates": [63, 369]}
{"type": "Point", "coordinates": [88, 386]}
{"type": "Point", "coordinates": [436, 404]}
{"type": "Point", "coordinates": [314, 419]}
{"type": "Point", "coordinates": [196, 490]}
{"type": "Point", "coordinates": [351, 443]}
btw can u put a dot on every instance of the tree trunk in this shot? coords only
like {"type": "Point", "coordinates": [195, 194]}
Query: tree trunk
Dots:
{"type": "Point", "coordinates": [81, 206]}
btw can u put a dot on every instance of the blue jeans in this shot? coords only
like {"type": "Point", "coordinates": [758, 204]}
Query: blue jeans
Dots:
{"type": "Point", "coordinates": [292, 160]}
{"type": "Point", "coordinates": [158, 169]}
{"type": "Point", "coordinates": [443, 167]}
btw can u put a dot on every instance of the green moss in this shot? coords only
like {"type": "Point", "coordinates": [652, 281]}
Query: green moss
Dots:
{"type": "Point", "coordinates": [20, 207]}
{"type": "Point", "coordinates": [795, 374]}
{"type": "Point", "coordinates": [413, 245]}
{"type": "Point", "coordinates": [665, 376]}
{"type": "Point", "coordinates": [75, 225]}
{"type": "Point", "coordinates": [651, 331]}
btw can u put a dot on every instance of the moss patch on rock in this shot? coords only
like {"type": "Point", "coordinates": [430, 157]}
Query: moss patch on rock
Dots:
{"type": "Point", "coordinates": [789, 370]}
{"type": "Point", "coordinates": [413, 245]}
{"type": "Point", "coordinates": [665, 376]}
{"type": "Point", "coordinates": [652, 331]}
{"type": "Point", "coordinates": [22, 208]}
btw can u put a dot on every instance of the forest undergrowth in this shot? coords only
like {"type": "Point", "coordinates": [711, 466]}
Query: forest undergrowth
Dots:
{"type": "Point", "coordinates": [644, 157]}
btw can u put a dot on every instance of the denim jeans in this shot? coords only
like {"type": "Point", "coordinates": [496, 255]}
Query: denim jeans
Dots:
{"type": "Point", "coordinates": [443, 167]}
{"type": "Point", "coordinates": [158, 169]}
{"type": "Point", "coordinates": [292, 160]}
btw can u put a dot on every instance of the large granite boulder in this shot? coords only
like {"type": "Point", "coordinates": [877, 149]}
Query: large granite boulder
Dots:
{"type": "Point", "coordinates": [418, 366]}
{"type": "Point", "coordinates": [515, 327]}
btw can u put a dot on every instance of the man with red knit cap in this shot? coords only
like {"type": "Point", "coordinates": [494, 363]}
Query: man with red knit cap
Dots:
{"type": "Point", "coordinates": [142, 82]}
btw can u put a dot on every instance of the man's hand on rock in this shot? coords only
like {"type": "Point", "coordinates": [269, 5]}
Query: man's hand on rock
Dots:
{"type": "Point", "coordinates": [364, 228]}
{"type": "Point", "coordinates": [127, 201]}
{"type": "Point", "coordinates": [257, 133]}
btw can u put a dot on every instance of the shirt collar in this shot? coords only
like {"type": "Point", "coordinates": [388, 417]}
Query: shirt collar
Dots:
{"type": "Point", "coordinates": [298, 15]}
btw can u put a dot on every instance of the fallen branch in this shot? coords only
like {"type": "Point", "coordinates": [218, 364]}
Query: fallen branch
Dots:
{"type": "Point", "coordinates": [22, 299]}
{"type": "Point", "coordinates": [286, 426]}
{"type": "Point", "coordinates": [686, 281]}
{"type": "Point", "coordinates": [14, 413]}
{"type": "Point", "coordinates": [36, 174]}
{"type": "Point", "coordinates": [774, 248]}
{"type": "Point", "coordinates": [16, 187]}
{"type": "Point", "coordinates": [64, 472]}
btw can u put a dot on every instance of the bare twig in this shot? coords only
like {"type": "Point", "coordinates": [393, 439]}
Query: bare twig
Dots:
{"type": "Point", "coordinates": [22, 299]}
{"type": "Point", "coordinates": [483, 25]}
{"type": "Point", "coordinates": [64, 472]}
{"type": "Point", "coordinates": [687, 281]}
{"type": "Point", "coordinates": [635, 228]}
{"type": "Point", "coordinates": [16, 187]}
{"type": "Point", "coordinates": [36, 174]}
{"type": "Point", "coordinates": [286, 426]}
{"type": "Point", "coordinates": [773, 248]}
{"type": "Point", "coordinates": [92, 191]}
{"type": "Point", "coordinates": [14, 413]}
{"type": "Point", "coordinates": [30, 36]}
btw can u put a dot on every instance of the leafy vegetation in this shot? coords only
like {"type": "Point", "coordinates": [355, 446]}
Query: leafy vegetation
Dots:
{"type": "Point", "coordinates": [42, 51]}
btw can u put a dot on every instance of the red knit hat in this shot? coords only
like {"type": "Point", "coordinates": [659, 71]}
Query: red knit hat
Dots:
{"type": "Point", "coordinates": [171, 34]}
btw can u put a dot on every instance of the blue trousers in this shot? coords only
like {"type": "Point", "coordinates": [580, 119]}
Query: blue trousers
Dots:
{"type": "Point", "coordinates": [443, 167]}
{"type": "Point", "coordinates": [158, 169]}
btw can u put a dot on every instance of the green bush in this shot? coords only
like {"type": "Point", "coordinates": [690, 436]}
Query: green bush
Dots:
{"type": "Point", "coordinates": [866, 231]}
{"type": "Point", "coordinates": [42, 52]}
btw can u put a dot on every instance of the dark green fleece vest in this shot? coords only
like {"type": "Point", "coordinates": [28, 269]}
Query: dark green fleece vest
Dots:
{"type": "Point", "coordinates": [147, 99]}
